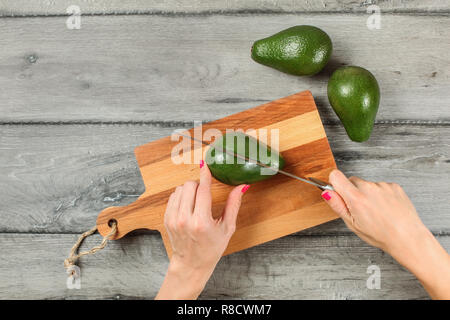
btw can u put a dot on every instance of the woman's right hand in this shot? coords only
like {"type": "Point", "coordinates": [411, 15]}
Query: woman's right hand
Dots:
{"type": "Point", "coordinates": [382, 215]}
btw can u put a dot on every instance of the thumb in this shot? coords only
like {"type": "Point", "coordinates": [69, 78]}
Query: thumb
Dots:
{"type": "Point", "coordinates": [233, 205]}
{"type": "Point", "coordinates": [343, 186]}
{"type": "Point", "coordinates": [337, 204]}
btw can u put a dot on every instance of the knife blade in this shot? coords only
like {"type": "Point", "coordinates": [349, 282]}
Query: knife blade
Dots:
{"type": "Point", "coordinates": [322, 185]}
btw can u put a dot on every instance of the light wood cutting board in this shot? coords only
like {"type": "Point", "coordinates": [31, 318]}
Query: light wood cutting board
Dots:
{"type": "Point", "coordinates": [270, 209]}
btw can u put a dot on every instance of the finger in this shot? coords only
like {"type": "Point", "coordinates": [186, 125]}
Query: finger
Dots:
{"type": "Point", "coordinates": [358, 182]}
{"type": "Point", "coordinates": [233, 205]}
{"type": "Point", "coordinates": [187, 198]}
{"type": "Point", "coordinates": [172, 205]}
{"type": "Point", "coordinates": [366, 187]}
{"type": "Point", "coordinates": [337, 204]}
{"type": "Point", "coordinates": [203, 198]}
{"type": "Point", "coordinates": [346, 189]}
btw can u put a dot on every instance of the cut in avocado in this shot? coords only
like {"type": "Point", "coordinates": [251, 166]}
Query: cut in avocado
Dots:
{"type": "Point", "coordinates": [232, 170]}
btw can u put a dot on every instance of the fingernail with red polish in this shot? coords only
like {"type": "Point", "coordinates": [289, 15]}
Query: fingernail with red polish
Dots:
{"type": "Point", "coordinates": [326, 196]}
{"type": "Point", "coordinates": [245, 188]}
{"type": "Point", "coordinates": [202, 163]}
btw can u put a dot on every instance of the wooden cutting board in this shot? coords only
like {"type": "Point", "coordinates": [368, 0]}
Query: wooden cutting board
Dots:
{"type": "Point", "coordinates": [270, 209]}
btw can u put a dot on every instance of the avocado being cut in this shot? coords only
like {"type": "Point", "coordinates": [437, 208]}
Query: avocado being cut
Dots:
{"type": "Point", "coordinates": [227, 168]}
{"type": "Point", "coordinates": [300, 50]}
{"type": "Point", "coordinates": [354, 94]}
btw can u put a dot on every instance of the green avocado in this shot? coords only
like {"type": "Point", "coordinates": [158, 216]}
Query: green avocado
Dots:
{"type": "Point", "coordinates": [233, 170]}
{"type": "Point", "coordinates": [354, 94]}
{"type": "Point", "coordinates": [300, 50]}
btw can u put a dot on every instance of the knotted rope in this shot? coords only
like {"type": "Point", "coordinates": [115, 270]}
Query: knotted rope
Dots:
{"type": "Point", "coordinates": [74, 256]}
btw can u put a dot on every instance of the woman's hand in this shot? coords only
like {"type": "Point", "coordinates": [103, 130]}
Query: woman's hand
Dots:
{"type": "Point", "coordinates": [198, 240]}
{"type": "Point", "coordinates": [382, 215]}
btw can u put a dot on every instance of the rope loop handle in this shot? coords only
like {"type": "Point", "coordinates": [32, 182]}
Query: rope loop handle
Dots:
{"type": "Point", "coordinates": [74, 256]}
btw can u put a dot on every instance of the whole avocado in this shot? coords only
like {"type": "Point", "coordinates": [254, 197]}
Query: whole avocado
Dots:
{"type": "Point", "coordinates": [300, 50]}
{"type": "Point", "coordinates": [226, 168]}
{"type": "Point", "coordinates": [354, 94]}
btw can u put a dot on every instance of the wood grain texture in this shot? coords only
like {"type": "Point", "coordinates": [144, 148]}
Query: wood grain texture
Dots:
{"type": "Point", "coordinates": [45, 7]}
{"type": "Point", "coordinates": [65, 175]}
{"type": "Point", "coordinates": [119, 68]}
{"type": "Point", "coordinates": [271, 209]}
{"type": "Point", "coordinates": [31, 267]}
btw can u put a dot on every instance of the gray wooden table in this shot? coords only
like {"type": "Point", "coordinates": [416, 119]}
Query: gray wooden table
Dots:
{"type": "Point", "coordinates": [74, 104]}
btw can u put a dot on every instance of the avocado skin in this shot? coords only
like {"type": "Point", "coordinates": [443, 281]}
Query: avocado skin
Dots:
{"type": "Point", "coordinates": [300, 50]}
{"type": "Point", "coordinates": [354, 94]}
{"type": "Point", "coordinates": [230, 171]}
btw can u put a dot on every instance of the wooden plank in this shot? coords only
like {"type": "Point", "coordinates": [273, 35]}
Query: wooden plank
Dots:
{"type": "Point", "coordinates": [141, 68]}
{"type": "Point", "coordinates": [58, 178]}
{"type": "Point", "coordinates": [133, 267]}
{"type": "Point", "coordinates": [45, 7]}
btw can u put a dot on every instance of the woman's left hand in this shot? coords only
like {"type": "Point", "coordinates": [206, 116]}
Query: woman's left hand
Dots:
{"type": "Point", "coordinates": [198, 240]}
